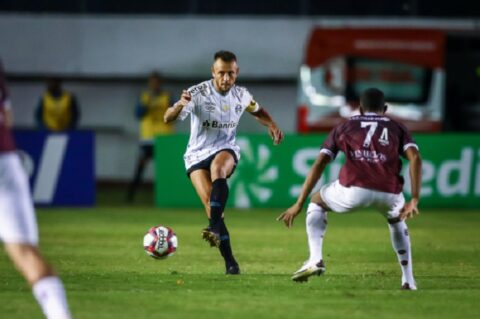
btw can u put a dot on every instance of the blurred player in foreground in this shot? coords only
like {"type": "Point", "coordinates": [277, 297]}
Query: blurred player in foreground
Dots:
{"type": "Point", "coordinates": [150, 110]}
{"type": "Point", "coordinates": [215, 107]}
{"type": "Point", "coordinates": [18, 226]}
{"type": "Point", "coordinates": [373, 144]}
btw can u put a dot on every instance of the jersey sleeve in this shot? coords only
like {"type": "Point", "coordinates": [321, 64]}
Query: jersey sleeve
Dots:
{"type": "Point", "coordinates": [187, 109]}
{"type": "Point", "coordinates": [330, 146]}
{"type": "Point", "coordinates": [406, 140]}
{"type": "Point", "coordinates": [249, 102]}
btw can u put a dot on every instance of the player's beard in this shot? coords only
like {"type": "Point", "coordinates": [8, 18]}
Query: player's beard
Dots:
{"type": "Point", "coordinates": [225, 87]}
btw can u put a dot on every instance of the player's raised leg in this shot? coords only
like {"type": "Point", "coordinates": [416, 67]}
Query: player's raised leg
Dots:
{"type": "Point", "coordinates": [401, 245]}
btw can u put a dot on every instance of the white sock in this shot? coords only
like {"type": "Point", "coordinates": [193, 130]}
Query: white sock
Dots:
{"type": "Point", "coordinates": [316, 227]}
{"type": "Point", "coordinates": [401, 245]}
{"type": "Point", "coordinates": [50, 294]}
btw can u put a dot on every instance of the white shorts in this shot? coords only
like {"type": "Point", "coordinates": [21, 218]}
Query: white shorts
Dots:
{"type": "Point", "coordinates": [18, 223]}
{"type": "Point", "coordinates": [343, 199]}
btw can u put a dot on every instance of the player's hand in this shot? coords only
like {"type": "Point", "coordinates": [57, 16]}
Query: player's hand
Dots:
{"type": "Point", "coordinates": [276, 134]}
{"type": "Point", "coordinates": [409, 210]}
{"type": "Point", "coordinates": [289, 215]}
{"type": "Point", "coordinates": [185, 98]}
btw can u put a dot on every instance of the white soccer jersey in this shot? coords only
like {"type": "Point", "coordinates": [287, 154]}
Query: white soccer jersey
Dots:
{"type": "Point", "coordinates": [214, 120]}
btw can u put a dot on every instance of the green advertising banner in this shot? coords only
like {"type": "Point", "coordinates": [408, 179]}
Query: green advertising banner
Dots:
{"type": "Point", "coordinates": [272, 176]}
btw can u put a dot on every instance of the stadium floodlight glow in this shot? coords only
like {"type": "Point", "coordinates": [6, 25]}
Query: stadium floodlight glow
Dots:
{"type": "Point", "coordinates": [314, 97]}
{"type": "Point", "coordinates": [410, 111]}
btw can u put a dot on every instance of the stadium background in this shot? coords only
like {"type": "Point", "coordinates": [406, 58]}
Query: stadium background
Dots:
{"type": "Point", "coordinates": [105, 49]}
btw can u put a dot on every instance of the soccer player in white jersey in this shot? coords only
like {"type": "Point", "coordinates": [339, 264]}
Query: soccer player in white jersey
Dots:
{"type": "Point", "coordinates": [215, 107]}
{"type": "Point", "coordinates": [373, 145]}
{"type": "Point", "coordinates": [18, 226]}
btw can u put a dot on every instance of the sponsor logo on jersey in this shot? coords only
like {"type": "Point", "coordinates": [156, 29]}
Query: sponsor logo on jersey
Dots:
{"type": "Point", "coordinates": [369, 156]}
{"type": "Point", "coordinates": [219, 125]}
{"type": "Point", "coordinates": [200, 88]}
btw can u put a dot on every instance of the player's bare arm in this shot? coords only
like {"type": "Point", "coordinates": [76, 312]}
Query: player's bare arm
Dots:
{"type": "Point", "coordinates": [410, 209]}
{"type": "Point", "coordinates": [265, 119]}
{"type": "Point", "coordinates": [172, 113]}
{"type": "Point", "coordinates": [313, 176]}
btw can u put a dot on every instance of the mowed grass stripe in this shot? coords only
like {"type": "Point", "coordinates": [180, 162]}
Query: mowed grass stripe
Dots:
{"type": "Point", "coordinates": [98, 253]}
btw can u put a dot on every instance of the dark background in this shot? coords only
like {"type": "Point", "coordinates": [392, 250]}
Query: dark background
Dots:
{"type": "Point", "coordinates": [409, 8]}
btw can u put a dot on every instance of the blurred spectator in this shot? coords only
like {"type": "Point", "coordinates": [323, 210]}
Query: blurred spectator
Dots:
{"type": "Point", "coordinates": [57, 109]}
{"type": "Point", "coordinates": [150, 109]}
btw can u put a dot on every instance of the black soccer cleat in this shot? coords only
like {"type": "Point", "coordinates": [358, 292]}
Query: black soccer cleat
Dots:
{"type": "Point", "coordinates": [211, 237]}
{"type": "Point", "coordinates": [407, 286]}
{"type": "Point", "coordinates": [233, 270]}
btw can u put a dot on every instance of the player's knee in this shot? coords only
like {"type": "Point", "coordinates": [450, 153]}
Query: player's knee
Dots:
{"type": "Point", "coordinates": [317, 200]}
{"type": "Point", "coordinates": [393, 220]}
{"type": "Point", "coordinates": [17, 251]}
{"type": "Point", "coordinates": [218, 171]}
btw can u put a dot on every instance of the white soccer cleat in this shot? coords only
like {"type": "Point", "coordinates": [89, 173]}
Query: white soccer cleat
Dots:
{"type": "Point", "coordinates": [309, 269]}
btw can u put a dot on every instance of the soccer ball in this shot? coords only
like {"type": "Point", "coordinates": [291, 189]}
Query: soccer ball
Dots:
{"type": "Point", "coordinates": [160, 242]}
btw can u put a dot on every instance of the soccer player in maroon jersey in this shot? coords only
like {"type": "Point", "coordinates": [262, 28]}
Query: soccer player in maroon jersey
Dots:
{"type": "Point", "coordinates": [18, 226]}
{"type": "Point", "coordinates": [370, 177]}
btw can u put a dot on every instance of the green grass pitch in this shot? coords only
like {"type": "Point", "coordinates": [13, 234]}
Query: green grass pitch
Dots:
{"type": "Point", "coordinates": [99, 254]}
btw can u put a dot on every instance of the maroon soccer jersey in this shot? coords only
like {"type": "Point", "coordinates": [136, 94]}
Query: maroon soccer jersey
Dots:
{"type": "Point", "coordinates": [6, 139]}
{"type": "Point", "coordinates": [372, 145]}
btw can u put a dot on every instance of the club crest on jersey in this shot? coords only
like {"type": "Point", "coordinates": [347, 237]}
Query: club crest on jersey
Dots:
{"type": "Point", "coordinates": [238, 109]}
{"type": "Point", "coordinates": [226, 108]}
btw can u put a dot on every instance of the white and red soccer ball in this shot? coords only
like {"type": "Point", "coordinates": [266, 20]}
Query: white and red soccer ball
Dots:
{"type": "Point", "coordinates": [160, 242]}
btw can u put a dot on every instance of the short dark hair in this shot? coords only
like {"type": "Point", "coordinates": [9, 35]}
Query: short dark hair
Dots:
{"type": "Point", "coordinates": [54, 81]}
{"type": "Point", "coordinates": [225, 56]}
{"type": "Point", "coordinates": [156, 75]}
{"type": "Point", "coordinates": [372, 99]}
